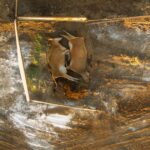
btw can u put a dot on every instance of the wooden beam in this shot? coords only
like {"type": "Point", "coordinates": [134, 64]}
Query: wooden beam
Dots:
{"type": "Point", "coordinates": [20, 63]}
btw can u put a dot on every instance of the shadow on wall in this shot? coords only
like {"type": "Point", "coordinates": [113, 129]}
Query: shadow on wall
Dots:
{"type": "Point", "coordinates": [7, 10]}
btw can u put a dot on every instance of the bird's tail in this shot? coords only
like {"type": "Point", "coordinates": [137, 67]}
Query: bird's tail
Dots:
{"type": "Point", "coordinates": [64, 74]}
{"type": "Point", "coordinates": [70, 78]}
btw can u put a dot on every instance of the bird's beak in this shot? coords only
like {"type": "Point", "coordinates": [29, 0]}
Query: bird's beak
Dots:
{"type": "Point", "coordinates": [65, 36]}
{"type": "Point", "coordinates": [57, 39]}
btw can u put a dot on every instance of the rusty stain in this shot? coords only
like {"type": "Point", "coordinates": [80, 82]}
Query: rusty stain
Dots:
{"type": "Point", "coordinates": [75, 95]}
{"type": "Point", "coordinates": [127, 60]}
{"type": "Point", "coordinates": [142, 24]}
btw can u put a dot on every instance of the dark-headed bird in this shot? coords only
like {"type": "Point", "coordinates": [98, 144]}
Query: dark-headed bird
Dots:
{"type": "Point", "coordinates": [56, 60]}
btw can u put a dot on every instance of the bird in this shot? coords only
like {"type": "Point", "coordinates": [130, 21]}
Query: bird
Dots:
{"type": "Point", "coordinates": [56, 60]}
{"type": "Point", "coordinates": [78, 55]}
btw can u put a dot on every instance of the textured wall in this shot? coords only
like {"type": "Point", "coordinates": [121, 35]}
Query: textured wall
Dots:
{"type": "Point", "coordinates": [92, 9]}
{"type": "Point", "coordinates": [6, 10]}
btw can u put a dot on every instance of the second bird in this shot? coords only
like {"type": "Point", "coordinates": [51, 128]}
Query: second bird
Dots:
{"type": "Point", "coordinates": [78, 53]}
